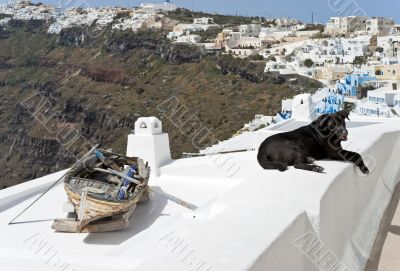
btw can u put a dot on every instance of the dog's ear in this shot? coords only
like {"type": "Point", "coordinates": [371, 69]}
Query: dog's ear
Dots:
{"type": "Point", "coordinates": [343, 114]}
{"type": "Point", "coordinates": [322, 120]}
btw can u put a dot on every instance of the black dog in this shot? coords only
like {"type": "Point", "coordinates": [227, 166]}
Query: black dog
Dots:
{"type": "Point", "coordinates": [301, 147]}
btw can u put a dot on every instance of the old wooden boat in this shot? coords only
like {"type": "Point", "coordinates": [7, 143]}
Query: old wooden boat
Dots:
{"type": "Point", "coordinates": [104, 185]}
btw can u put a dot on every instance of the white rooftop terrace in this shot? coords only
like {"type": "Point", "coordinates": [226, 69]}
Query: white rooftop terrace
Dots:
{"type": "Point", "coordinates": [248, 218]}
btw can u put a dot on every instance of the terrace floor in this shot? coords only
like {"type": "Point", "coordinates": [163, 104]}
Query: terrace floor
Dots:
{"type": "Point", "coordinates": [386, 250]}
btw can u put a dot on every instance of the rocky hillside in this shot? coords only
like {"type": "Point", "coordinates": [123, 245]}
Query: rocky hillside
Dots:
{"type": "Point", "coordinates": [94, 85]}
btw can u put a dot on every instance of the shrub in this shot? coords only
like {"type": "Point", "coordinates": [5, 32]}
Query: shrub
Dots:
{"type": "Point", "coordinates": [321, 35]}
{"type": "Point", "coordinates": [308, 63]}
{"type": "Point", "coordinates": [256, 57]}
{"type": "Point", "coordinates": [271, 58]}
{"type": "Point", "coordinates": [360, 60]}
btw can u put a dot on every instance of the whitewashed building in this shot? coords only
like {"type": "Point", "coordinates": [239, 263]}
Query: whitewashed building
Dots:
{"type": "Point", "coordinates": [173, 35]}
{"type": "Point", "coordinates": [287, 22]}
{"type": "Point", "coordinates": [189, 38]}
{"type": "Point", "coordinates": [199, 24]}
{"type": "Point", "coordinates": [203, 20]}
{"type": "Point", "coordinates": [379, 25]}
{"type": "Point", "coordinates": [249, 42]}
{"type": "Point", "coordinates": [282, 68]}
{"type": "Point", "coordinates": [345, 25]}
{"type": "Point", "coordinates": [55, 28]}
{"type": "Point", "coordinates": [382, 102]}
{"type": "Point", "coordinates": [4, 22]}
{"type": "Point", "coordinates": [252, 30]}
{"type": "Point", "coordinates": [334, 51]}
{"type": "Point", "coordinates": [152, 8]}
{"type": "Point", "coordinates": [382, 95]}
{"type": "Point", "coordinates": [372, 109]}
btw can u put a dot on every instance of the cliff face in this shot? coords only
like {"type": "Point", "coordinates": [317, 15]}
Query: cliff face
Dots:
{"type": "Point", "coordinates": [95, 87]}
{"type": "Point", "coordinates": [124, 42]}
{"type": "Point", "coordinates": [172, 53]}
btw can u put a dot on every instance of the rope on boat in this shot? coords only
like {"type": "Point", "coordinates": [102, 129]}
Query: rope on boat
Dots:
{"type": "Point", "coordinates": [47, 190]}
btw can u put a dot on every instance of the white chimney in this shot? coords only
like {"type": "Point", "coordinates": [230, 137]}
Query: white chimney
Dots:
{"type": "Point", "coordinates": [150, 143]}
{"type": "Point", "coordinates": [303, 107]}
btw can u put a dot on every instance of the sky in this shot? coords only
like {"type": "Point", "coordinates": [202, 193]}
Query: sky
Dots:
{"type": "Point", "coordinates": [322, 9]}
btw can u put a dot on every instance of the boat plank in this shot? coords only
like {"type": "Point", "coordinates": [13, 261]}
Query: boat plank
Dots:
{"type": "Point", "coordinates": [117, 222]}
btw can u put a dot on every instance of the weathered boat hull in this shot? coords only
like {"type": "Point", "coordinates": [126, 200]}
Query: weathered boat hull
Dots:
{"type": "Point", "coordinates": [95, 208]}
{"type": "Point", "coordinates": [93, 191]}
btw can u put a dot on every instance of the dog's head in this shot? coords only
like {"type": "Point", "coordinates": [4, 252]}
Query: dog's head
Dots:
{"type": "Point", "coordinates": [332, 126]}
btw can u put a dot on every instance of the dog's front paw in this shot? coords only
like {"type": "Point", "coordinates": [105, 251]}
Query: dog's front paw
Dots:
{"type": "Point", "coordinates": [282, 168]}
{"type": "Point", "coordinates": [364, 169]}
{"type": "Point", "coordinates": [318, 169]}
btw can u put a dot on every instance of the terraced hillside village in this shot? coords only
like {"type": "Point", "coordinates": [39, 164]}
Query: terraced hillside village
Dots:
{"type": "Point", "coordinates": [98, 82]}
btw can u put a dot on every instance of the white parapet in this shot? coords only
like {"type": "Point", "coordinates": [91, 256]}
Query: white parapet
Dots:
{"type": "Point", "coordinates": [150, 143]}
{"type": "Point", "coordinates": [263, 219]}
